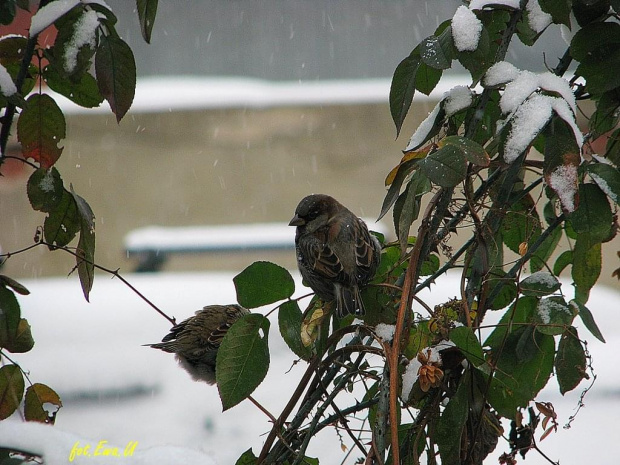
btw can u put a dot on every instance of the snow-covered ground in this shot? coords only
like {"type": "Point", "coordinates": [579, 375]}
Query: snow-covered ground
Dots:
{"type": "Point", "coordinates": [114, 389]}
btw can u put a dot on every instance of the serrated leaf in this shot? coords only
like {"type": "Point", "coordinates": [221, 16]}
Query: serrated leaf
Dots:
{"type": "Point", "coordinates": [11, 390]}
{"type": "Point", "coordinates": [450, 425]}
{"type": "Point", "coordinates": [85, 259]}
{"type": "Point", "coordinates": [607, 178]}
{"type": "Point", "coordinates": [263, 283]}
{"type": "Point", "coordinates": [63, 222]}
{"type": "Point", "coordinates": [147, 10]}
{"type": "Point", "coordinates": [45, 189]}
{"type": "Point", "coordinates": [445, 167]}
{"type": "Point", "coordinates": [402, 88]}
{"type": "Point", "coordinates": [434, 53]}
{"type": "Point", "coordinates": [553, 315]}
{"type": "Point", "coordinates": [465, 339]}
{"type": "Point", "coordinates": [588, 320]}
{"type": "Point", "coordinates": [36, 396]}
{"type": "Point", "coordinates": [289, 320]}
{"type": "Point", "coordinates": [427, 78]}
{"type": "Point", "coordinates": [40, 127]}
{"type": "Point", "coordinates": [6, 281]}
{"type": "Point", "coordinates": [82, 90]}
{"type": "Point", "coordinates": [558, 9]}
{"type": "Point", "coordinates": [243, 359]}
{"type": "Point", "coordinates": [593, 217]}
{"type": "Point", "coordinates": [471, 150]}
{"type": "Point", "coordinates": [115, 69]}
{"type": "Point", "coordinates": [570, 361]}
{"type": "Point", "coordinates": [539, 284]}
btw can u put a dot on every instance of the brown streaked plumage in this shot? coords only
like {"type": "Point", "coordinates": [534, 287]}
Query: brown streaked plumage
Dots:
{"type": "Point", "coordinates": [336, 254]}
{"type": "Point", "coordinates": [195, 341]}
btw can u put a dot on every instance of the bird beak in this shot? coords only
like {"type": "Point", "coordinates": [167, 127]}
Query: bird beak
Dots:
{"type": "Point", "coordinates": [297, 221]}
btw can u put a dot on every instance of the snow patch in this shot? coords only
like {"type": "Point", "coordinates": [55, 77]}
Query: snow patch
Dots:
{"type": "Point", "coordinates": [529, 119]}
{"type": "Point", "coordinates": [466, 29]}
{"type": "Point", "coordinates": [604, 186]}
{"type": "Point", "coordinates": [456, 99]}
{"type": "Point", "coordinates": [480, 4]}
{"type": "Point", "coordinates": [420, 134]}
{"type": "Point", "coordinates": [538, 19]}
{"type": "Point", "coordinates": [47, 15]}
{"type": "Point", "coordinates": [543, 277]}
{"type": "Point", "coordinates": [85, 33]}
{"type": "Point", "coordinates": [500, 73]}
{"type": "Point", "coordinates": [563, 180]}
{"type": "Point", "coordinates": [518, 90]}
{"type": "Point", "coordinates": [7, 86]}
{"type": "Point", "coordinates": [385, 332]}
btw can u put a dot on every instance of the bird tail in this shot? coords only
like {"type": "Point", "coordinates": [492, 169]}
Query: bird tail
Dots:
{"type": "Point", "coordinates": [349, 301]}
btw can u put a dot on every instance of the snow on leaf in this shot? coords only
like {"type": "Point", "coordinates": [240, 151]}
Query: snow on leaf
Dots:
{"type": "Point", "coordinates": [7, 86]}
{"type": "Point", "coordinates": [466, 29]}
{"type": "Point", "coordinates": [538, 19]}
{"type": "Point", "coordinates": [419, 136]}
{"type": "Point", "coordinates": [456, 99]}
{"type": "Point", "coordinates": [84, 34]}
{"type": "Point", "coordinates": [563, 180]}
{"type": "Point", "coordinates": [48, 14]}
{"type": "Point", "coordinates": [529, 119]}
{"type": "Point", "coordinates": [500, 73]}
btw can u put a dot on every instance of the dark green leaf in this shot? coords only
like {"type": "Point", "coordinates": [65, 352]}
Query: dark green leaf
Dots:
{"type": "Point", "coordinates": [539, 284]}
{"type": "Point", "coordinates": [507, 292]}
{"type": "Point", "coordinates": [12, 49]}
{"type": "Point", "coordinates": [242, 359]}
{"type": "Point", "coordinates": [563, 260]}
{"type": "Point", "coordinates": [247, 458]}
{"type": "Point", "coordinates": [445, 167]}
{"type": "Point", "coordinates": [593, 216]}
{"type": "Point", "coordinates": [607, 177]}
{"type": "Point", "coordinates": [587, 262]}
{"type": "Point", "coordinates": [588, 320]}
{"type": "Point", "coordinates": [408, 209]}
{"type": "Point", "coordinates": [427, 78]}
{"type": "Point", "coordinates": [481, 59]}
{"type": "Point", "coordinates": [520, 313]}
{"type": "Point", "coordinates": [289, 321]}
{"type": "Point", "coordinates": [586, 11]}
{"type": "Point", "coordinates": [403, 88]}
{"type": "Point", "coordinates": [82, 91]}
{"type": "Point", "coordinates": [570, 361]}
{"type": "Point", "coordinates": [597, 47]}
{"type": "Point", "coordinates": [558, 9]}
{"type": "Point", "coordinates": [430, 265]}
{"type": "Point", "coordinates": [11, 390]}
{"type": "Point", "coordinates": [554, 315]}
{"type": "Point", "coordinates": [451, 424]}
{"type": "Point", "coordinates": [7, 11]}
{"type": "Point", "coordinates": [63, 222]}
{"type": "Point", "coordinates": [73, 48]}
{"type": "Point", "coordinates": [436, 54]}
{"type": "Point", "coordinates": [465, 339]}
{"type": "Point", "coordinates": [607, 113]}
{"type": "Point", "coordinates": [147, 10]}
{"type": "Point", "coordinates": [45, 189]}
{"type": "Point", "coordinates": [263, 283]}
{"type": "Point", "coordinates": [546, 249]}
{"type": "Point", "coordinates": [40, 127]}
{"type": "Point", "coordinates": [10, 316]}
{"type": "Point", "coordinates": [85, 258]}
{"type": "Point", "coordinates": [612, 149]}
{"type": "Point", "coordinates": [22, 340]}
{"type": "Point", "coordinates": [521, 224]}
{"type": "Point", "coordinates": [36, 396]}
{"type": "Point", "coordinates": [115, 69]}
{"type": "Point", "coordinates": [472, 151]}
{"type": "Point", "coordinates": [6, 281]}
{"type": "Point", "coordinates": [394, 191]}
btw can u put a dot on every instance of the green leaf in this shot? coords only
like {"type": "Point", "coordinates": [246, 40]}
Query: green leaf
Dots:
{"type": "Point", "coordinates": [437, 52]}
{"type": "Point", "coordinates": [40, 127]}
{"type": "Point", "coordinates": [427, 78]}
{"type": "Point", "coordinates": [563, 260]}
{"type": "Point", "coordinates": [519, 314]}
{"type": "Point", "coordinates": [10, 316]}
{"type": "Point", "coordinates": [11, 390]}
{"type": "Point", "coordinates": [465, 339]}
{"type": "Point", "coordinates": [554, 315]}
{"type": "Point", "coordinates": [597, 47]}
{"type": "Point", "coordinates": [430, 265]}
{"type": "Point", "coordinates": [82, 91]}
{"type": "Point", "coordinates": [247, 458]}
{"type": "Point", "coordinates": [22, 340]}
{"type": "Point", "coordinates": [407, 207]}
{"type": "Point", "coordinates": [289, 321]}
{"type": "Point", "coordinates": [45, 189]}
{"type": "Point", "coordinates": [6, 281]}
{"type": "Point", "coordinates": [593, 217]}
{"type": "Point", "coordinates": [587, 262]}
{"type": "Point", "coordinates": [394, 191]}
{"type": "Point", "coordinates": [588, 320]}
{"type": "Point", "coordinates": [12, 49]}
{"type": "Point", "coordinates": [70, 61]}
{"type": "Point", "coordinates": [63, 222]}
{"type": "Point", "coordinates": [263, 283]}
{"type": "Point", "coordinates": [521, 224]}
{"type": "Point", "coordinates": [36, 396]}
{"type": "Point", "coordinates": [115, 69]}
{"type": "Point", "coordinates": [7, 12]}
{"type": "Point", "coordinates": [539, 284]}
{"type": "Point", "coordinates": [147, 10]}
{"type": "Point", "coordinates": [451, 424]}
{"type": "Point", "coordinates": [607, 178]}
{"type": "Point", "coordinates": [570, 361]}
{"type": "Point", "coordinates": [85, 259]}
{"type": "Point", "coordinates": [558, 9]}
{"type": "Point", "coordinates": [403, 88]}
{"type": "Point", "coordinates": [242, 359]}
{"type": "Point", "coordinates": [606, 116]}
{"type": "Point", "coordinates": [445, 167]}
{"type": "Point", "coordinates": [507, 291]}
{"type": "Point", "coordinates": [612, 149]}
{"type": "Point", "coordinates": [546, 249]}
{"type": "Point", "coordinates": [471, 150]}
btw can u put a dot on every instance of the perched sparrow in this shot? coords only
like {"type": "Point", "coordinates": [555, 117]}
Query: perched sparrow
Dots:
{"type": "Point", "coordinates": [196, 340]}
{"type": "Point", "coordinates": [336, 254]}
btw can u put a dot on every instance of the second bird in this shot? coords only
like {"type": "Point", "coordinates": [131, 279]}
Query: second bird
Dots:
{"type": "Point", "coordinates": [336, 254]}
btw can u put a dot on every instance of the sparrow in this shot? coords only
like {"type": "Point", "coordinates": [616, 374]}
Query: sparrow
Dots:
{"type": "Point", "coordinates": [336, 254]}
{"type": "Point", "coordinates": [195, 341]}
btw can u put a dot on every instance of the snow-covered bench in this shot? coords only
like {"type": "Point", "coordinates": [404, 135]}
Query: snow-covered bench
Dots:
{"type": "Point", "coordinates": [153, 244]}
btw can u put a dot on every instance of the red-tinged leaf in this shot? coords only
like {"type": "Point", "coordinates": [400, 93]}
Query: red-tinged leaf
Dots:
{"type": "Point", "coordinates": [147, 10]}
{"type": "Point", "coordinates": [115, 69]}
{"type": "Point", "coordinates": [36, 396]}
{"type": "Point", "coordinates": [411, 155]}
{"type": "Point", "coordinates": [40, 127]}
{"type": "Point", "coordinates": [11, 390]}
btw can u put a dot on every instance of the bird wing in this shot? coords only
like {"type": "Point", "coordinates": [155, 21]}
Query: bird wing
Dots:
{"type": "Point", "coordinates": [321, 258]}
{"type": "Point", "coordinates": [366, 253]}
